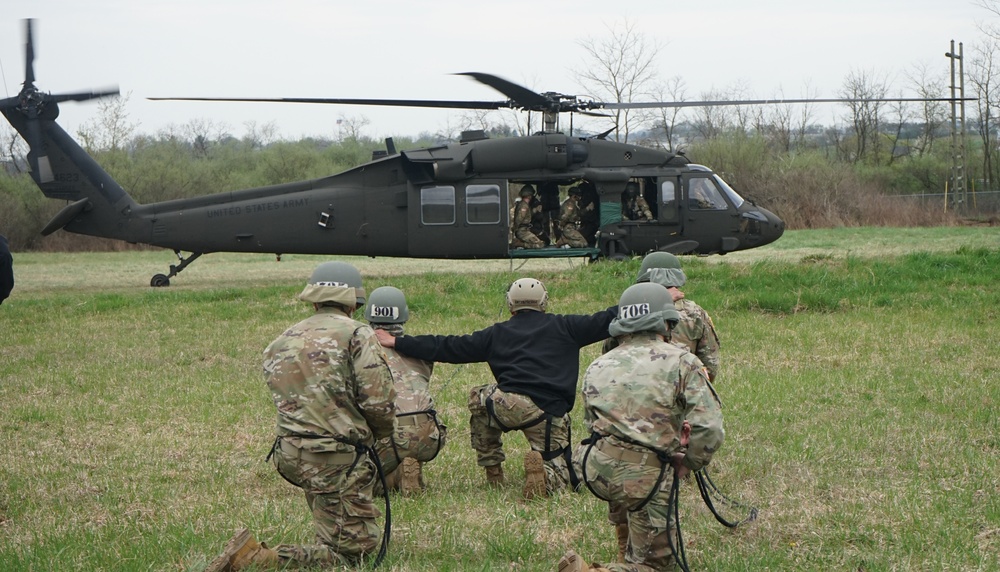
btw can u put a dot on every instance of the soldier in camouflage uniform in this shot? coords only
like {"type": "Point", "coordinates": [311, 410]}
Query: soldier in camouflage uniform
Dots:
{"type": "Point", "coordinates": [419, 437]}
{"type": "Point", "coordinates": [695, 331]}
{"type": "Point", "coordinates": [569, 221]}
{"type": "Point", "coordinates": [526, 210]}
{"type": "Point", "coordinates": [635, 207]}
{"type": "Point", "coordinates": [334, 396]}
{"type": "Point", "coordinates": [651, 411]}
{"type": "Point", "coordinates": [535, 358]}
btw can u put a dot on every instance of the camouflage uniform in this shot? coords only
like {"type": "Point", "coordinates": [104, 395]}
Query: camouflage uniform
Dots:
{"type": "Point", "coordinates": [524, 234]}
{"type": "Point", "coordinates": [518, 412]}
{"type": "Point", "coordinates": [636, 208]}
{"type": "Point", "coordinates": [569, 219]}
{"type": "Point", "coordinates": [696, 333]}
{"type": "Point", "coordinates": [636, 398]}
{"type": "Point", "coordinates": [418, 434]}
{"type": "Point", "coordinates": [333, 390]}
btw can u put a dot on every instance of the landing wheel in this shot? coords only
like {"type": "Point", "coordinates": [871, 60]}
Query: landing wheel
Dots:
{"type": "Point", "coordinates": [614, 249]}
{"type": "Point", "coordinates": [161, 280]}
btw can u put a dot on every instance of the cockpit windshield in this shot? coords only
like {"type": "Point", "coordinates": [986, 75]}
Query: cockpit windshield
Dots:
{"type": "Point", "coordinates": [734, 197]}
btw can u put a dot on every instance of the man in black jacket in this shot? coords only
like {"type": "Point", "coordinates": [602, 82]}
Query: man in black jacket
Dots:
{"type": "Point", "coordinates": [6, 270]}
{"type": "Point", "coordinates": [535, 358]}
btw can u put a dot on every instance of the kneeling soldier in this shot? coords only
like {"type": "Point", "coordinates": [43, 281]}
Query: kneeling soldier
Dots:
{"type": "Point", "coordinates": [419, 437]}
{"type": "Point", "coordinates": [651, 412]}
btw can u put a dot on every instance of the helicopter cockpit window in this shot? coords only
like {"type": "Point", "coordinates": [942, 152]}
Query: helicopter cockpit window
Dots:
{"type": "Point", "coordinates": [482, 203]}
{"type": "Point", "coordinates": [734, 197]}
{"type": "Point", "coordinates": [437, 205]}
{"type": "Point", "coordinates": [704, 194]}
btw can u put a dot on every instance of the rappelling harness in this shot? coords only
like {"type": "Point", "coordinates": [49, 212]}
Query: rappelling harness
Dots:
{"type": "Point", "coordinates": [548, 454]}
{"type": "Point", "coordinates": [409, 418]}
{"type": "Point", "coordinates": [360, 451]}
{"type": "Point", "coordinates": [654, 457]}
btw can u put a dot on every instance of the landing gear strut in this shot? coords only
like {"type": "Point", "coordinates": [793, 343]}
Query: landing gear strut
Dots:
{"type": "Point", "coordinates": [614, 249]}
{"type": "Point", "coordinates": [161, 280]}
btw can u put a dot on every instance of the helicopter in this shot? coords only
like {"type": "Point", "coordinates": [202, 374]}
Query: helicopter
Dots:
{"type": "Point", "coordinates": [447, 202]}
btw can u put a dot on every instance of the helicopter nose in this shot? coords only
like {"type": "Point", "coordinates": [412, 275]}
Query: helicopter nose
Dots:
{"type": "Point", "coordinates": [773, 228]}
{"type": "Point", "coordinates": [762, 227]}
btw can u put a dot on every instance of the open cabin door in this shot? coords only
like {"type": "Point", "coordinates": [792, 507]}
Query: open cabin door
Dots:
{"type": "Point", "coordinates": [459, 220]}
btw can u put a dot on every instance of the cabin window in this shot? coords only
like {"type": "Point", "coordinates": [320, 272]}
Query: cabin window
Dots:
{"type": "Point", "coordinates": [482, 203]}
{"type": "Point", "coordinates": [704, 194]}
{"type": "Point", "coordinates": [668, 200]}
{"type": "Point", "coordinates": [437, 205]}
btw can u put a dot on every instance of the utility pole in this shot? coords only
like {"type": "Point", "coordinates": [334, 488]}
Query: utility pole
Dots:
{"type": "Point", "coordinates": [958, 188]}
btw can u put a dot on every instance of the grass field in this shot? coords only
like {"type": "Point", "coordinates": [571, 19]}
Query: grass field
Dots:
{"type": "Point", "coordinates": [860, 381]}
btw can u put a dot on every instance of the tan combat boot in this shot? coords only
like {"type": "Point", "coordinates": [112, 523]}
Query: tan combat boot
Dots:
{"type": "Point", "coordinates": [622, 530]}
{"type": "Point", "coordinates": [534, 475]}
{"type": "Point", "coordinates": [494, 476]}
{"type": "Point", "coordinates": [412, 481]}
{"type": "Point", "coordinates": [241, 551]}
{"type": "Point", "coordinates": [572, 562]}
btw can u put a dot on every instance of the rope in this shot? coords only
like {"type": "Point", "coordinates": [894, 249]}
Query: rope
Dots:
{"type": "Point", "coordinates": [708, 489]}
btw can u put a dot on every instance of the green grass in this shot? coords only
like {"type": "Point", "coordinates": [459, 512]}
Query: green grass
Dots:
{"type": "Point", "coordinates": [860, 382]}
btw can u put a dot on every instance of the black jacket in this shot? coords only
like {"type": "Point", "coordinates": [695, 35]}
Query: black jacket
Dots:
{"type": "Point", "coordinates": [533, 353]}
{"type": "Point", "coordinates": [6, 270]}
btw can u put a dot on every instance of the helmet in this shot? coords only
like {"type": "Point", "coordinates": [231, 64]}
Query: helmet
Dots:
{"type": "Point", "coordinates": [387, 305]}
{"type": "Point", "coordinates": [640, 300]}
{"type": "Point", "coordinates": [527, 294]}
{"type": "Point", "coordinates": [575, 191]}
{"type": "Point", "coordinates": [632, 189]}
{"type": "Point", "coordinates": [336, 282]}
{"type": "Point", "coordinates": [527, 191]}
{"type": "Point", "coordinates": [662, 268]}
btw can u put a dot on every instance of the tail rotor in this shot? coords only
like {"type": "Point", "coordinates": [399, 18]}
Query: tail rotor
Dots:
{"type": "Point", "coordinates": [35, 105]}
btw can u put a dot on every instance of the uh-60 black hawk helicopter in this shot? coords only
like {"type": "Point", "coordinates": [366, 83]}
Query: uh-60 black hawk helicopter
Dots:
{"type": "Point", "coordinates": [452, 201]}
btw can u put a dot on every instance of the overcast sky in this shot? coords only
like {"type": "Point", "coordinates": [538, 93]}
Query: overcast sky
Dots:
{"type": "Point", "coordinates": [407, 49]}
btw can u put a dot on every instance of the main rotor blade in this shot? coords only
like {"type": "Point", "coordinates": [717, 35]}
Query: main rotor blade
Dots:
{"type": "Point", "coordinates": [29, 54]}
{"type": "Point", "coordinates": [520, 95]}
{"type": "Point", "coordinates": [436, 103]}
{"type": "Point", "coordinates": [721, 103]}
{"type": "Point", "coordinates": [83, 95]}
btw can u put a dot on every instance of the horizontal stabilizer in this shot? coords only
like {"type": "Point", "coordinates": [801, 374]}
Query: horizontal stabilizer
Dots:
{"type": "Point", "coordinates": [63, 217]}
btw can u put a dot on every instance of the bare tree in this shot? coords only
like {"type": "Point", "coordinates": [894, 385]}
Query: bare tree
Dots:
{"type": "Point", "coordinates": [713, 121]}
{"type": "Point", "coordinates": [983, 69]}
{"type": "Point", "coordinates": [349, 127]}
{"type": "Point", "coordinates": [202, 133]}
{"type": "Point", "coordinates": [620, 68]}
{"type": "Point", "coordinates": [110, 129]}
{"type": "Point", "coordinates": [865, 115]}
{"type": "Point", "coordinates": [933, 115]}
{"type": "Point", "coordinates": [987, 27]}
{"type": "Point", "coordinates": [259, 135]}
{"type": "Point", "coordinates": [14, 148]}
{"type": "Point", "coordinates": [671, 90]}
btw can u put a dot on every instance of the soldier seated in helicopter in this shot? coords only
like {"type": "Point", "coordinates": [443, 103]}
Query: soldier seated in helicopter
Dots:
{"type": "Point", "coordinates": [525, 212]}
{"type": "Point", "coordinates": [634, 206]}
